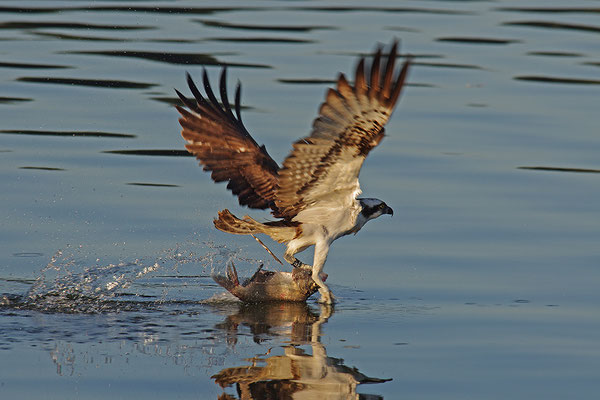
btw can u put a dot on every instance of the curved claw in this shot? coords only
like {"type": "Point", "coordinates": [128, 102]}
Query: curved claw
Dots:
{"type": "Point", "coordinates": [326, 297]}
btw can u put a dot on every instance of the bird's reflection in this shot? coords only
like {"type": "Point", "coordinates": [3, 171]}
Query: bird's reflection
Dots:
{"type": "Point", "coordinates": [296, 374]}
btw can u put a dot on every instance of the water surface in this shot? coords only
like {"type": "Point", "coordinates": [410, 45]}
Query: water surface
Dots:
{"type": "Point", "coordinates": [483, 285]}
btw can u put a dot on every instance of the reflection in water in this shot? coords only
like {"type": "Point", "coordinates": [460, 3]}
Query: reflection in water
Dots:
{"type": "Point", "coordinates": [128, 8]}
{"type": "Point", "coordinates": [556, 79]}
{"type": "Point", "coordinates": [554, 53]}
{"type": "Point", "coordinates": [562, 169]}
{"type": "Point", "coordinates": [9, 100]}
{"type": "Point", "coordinates": [43, 168]}
{"type": "Point", "coordinates": [104, 83]}
{"type": "Point", "coordinates": [295, 374]}
{"type": "Point", "coordinates": [68, 25]}
{"type": "Point", "coordinates": [477, 40]}
{"type": "Point", "coordinates": [66, 36]}
{"type": "Point", "coordinates": [110, 334]}
{"type": "Point", "coordinates": [409, 10]}
{"type": "Point", "coordinates": [151, 184]}
{"type": "Point", "coordinates": [307, 81]}
{"type": "Point", "coordinates": [555, 25]}
{"type": "Point", "coordinates": [551, 10]}
{"type": "Point", "coordinates": [169, 57]}
{"type": "Point", "coordinates": [31, 66]}
{"type": "Point", "coordinates": [67, 133]}
{"type": "Point", "coordinates": [261, 39]}
{"type": "Point", "coordinates": [447, 65]}
{"type": "Point", "coordinates": [151, 152]}
{"type": "Point", "coordinates": [278, 28]}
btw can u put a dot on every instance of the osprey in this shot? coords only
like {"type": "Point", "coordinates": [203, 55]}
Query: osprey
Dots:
{"type": "Point", "coordinates": [315, 193]}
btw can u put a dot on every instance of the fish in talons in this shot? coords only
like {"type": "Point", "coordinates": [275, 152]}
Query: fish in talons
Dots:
{"type": "Point", "coordinates": [269, 286]}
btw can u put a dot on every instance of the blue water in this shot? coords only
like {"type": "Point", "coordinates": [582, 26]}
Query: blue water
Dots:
{"type": "Point", "coordinates": [483, 285]}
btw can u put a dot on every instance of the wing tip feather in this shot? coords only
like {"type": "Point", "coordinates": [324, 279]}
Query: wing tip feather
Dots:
{"type": "Point", "coordinates": [210, 128]}
{"type": "Point", "coordinates": [368, 102]}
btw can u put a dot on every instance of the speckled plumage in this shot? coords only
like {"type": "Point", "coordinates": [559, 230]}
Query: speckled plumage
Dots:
{"type": "Point", "coordinates": [316, 190]}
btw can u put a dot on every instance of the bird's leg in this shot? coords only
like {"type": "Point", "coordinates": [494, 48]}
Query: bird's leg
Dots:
{"type": "Point", "coordinates": [321, 251]}
{"type": "Point", "coordinates": [294, 262]}
{"type": "Point", "coordinates": [298, 264]}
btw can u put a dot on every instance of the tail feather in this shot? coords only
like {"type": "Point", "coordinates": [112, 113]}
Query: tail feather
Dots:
{"type": "Point", "coordinates": [281, 231]}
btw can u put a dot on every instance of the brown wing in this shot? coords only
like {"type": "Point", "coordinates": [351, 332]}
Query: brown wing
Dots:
{"type": "Point", "coordinates": [324, 167]}
{"type": "Point", "coordinates": [220, 141]}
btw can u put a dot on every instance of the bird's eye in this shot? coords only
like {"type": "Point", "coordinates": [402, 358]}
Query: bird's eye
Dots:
{"type": "Point", "coordinates": [381, 206]}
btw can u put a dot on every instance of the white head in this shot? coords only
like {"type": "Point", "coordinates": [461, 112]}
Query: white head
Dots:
{"type": "Point", "coordinates": [373, 208]}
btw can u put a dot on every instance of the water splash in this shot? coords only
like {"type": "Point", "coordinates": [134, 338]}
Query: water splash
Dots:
{"type": "Point", "coordinates": [212, 257]}
{"type": "Point", "coordinates": [71, 283]}
{"type": "Point", "coordinates": [67, 284]}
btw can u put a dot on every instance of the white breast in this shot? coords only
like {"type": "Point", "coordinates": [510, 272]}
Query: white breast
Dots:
{"type": "Point", "coordinates": [332, 219]}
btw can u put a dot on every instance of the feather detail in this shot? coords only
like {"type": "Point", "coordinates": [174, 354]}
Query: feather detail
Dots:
{"type": "Point", "coordinates": [350, 124]}
{"type": "Point", "coordinates": [221, 143]}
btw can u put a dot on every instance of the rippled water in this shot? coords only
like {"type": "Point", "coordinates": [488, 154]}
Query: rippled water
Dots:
{"type": "Point", "coordinates": [483, 285]}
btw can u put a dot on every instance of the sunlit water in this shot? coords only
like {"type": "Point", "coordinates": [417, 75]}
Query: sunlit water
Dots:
{"type": "Point", "coordinates": [483, 285]}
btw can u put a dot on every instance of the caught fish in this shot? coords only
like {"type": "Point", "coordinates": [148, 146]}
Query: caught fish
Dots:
{"type": "Point", "coordinates": [265, 286]}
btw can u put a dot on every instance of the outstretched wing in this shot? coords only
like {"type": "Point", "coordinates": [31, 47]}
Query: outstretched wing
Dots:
{"type": "Point", "coordinates": [350, 123]}
{"type": "Point", "coordinates": [220, 141]}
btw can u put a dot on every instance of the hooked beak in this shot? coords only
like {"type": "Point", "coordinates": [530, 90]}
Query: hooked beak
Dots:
{"type": "Point", "coordinates": [388, 210]}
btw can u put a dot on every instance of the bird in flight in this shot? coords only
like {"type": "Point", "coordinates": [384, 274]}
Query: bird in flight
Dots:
{"type": "Point", "coordinates": [315, 193]}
